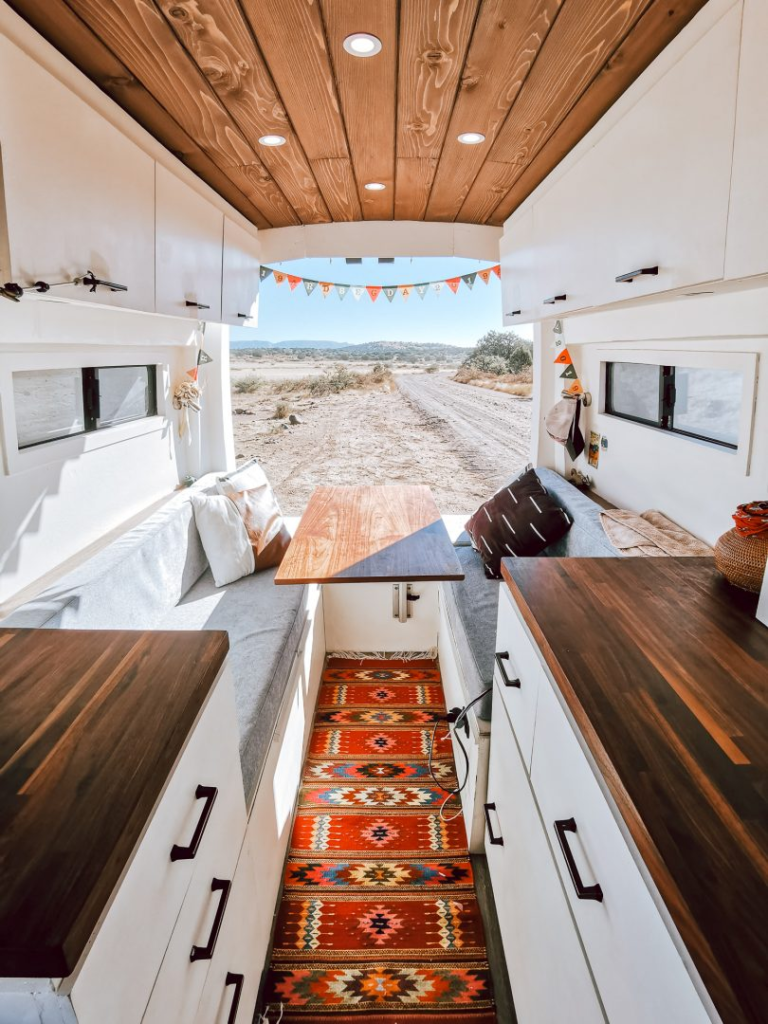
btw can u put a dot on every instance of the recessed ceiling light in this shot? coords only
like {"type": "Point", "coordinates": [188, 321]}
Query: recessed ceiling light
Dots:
{"type": "Point", "coordinates": [362, 44]}
{"type": "Point", "coordinates": [375, 186]}
{"type": "Point", "coordinates": [272, 140]}
{"type": "Point", "coordinates": [471, 138]}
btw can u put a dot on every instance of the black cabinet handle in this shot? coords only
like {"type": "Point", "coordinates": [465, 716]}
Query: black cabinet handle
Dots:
{"type": "Point", "coordinates": [495, 840]}
{"type": "Point", "coordinates": [515, 312]}
{"type": "Point", "coordinates": [244, 316]}
{"type": "Point", "coordinates": [584, 892]}
{"type": "Point", "coordinates": [650, 271]}
{"type": "Point", "coordinates": [196, 305]}
{"type": "Point", "coordinates": [555, 298]}
{"type": "Point", "coordinates": [501, 657]}
{"type": "Point", "coordinates": [207, 793]}
{"type": "Point", "coordinates": [236, 980]}
{"type": "Point", "coordinates": [206, 952]}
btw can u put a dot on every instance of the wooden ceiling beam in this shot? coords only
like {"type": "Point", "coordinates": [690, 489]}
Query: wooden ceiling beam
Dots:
{"type": "Point", "coordinates": [584, 36]}
{"type": "Point", "coordinates": [219, 41]}
{"type": "Point", "coordinates": [291, 37]}
{"type": "Point", "coordinates": [507, 39]}
{"type": "Point", "coordinates": [67, 33]}
{"type": "Point", "coordinates": [656, 29]}
{"type": "Point", "coordinates": [367, 92]}
{"type": "Point", "coordinates": [434, 40]}
{"type": "Point", "coordinates": [140, 37]}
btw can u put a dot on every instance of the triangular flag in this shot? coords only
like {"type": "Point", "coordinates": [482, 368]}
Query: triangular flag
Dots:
{"type": "Point", "coordinates": [405, 290]}
{"type": "Point", "coordinates": [469, 279]}
{"type": "Point", "coordinates": [558, 328]}
{"type": "Point", "coordinates": [437, 286]}
{"type": "Point", "coordinates": [341, 290]}
{"type": "Point", "coordinates": [202, 358]}
{"type": "Point", "coordinates": [293, 281]}
{"type": "Point", "coordinates": [264, 272]}
{"type": "Point", "coordinates": [357, 291]}
{"type": "Point", "coordinates": [309, 286]}
{"type": "Point", "coordinates": [374, 290]}
{"type": "Point", "coordinates": [390, 291]}
{"type": "Point", "coordinates": [575, 388]}
{"type": "Point", "coordinates": [563, 357]}
{"type": "Point", "coordinates": [279, 276]}
{"type": "Point", "coordinates": [325, 288]}
{"type": "Point", "coordinates": [421, 289]}
{"type": "Point", "coordinates": [484, 275]}
{"type": "Point", "coordinates": [453, 283]}
{"type": "Point", "coordinates": [497, 270]}
{"type": "Point", "coordinates": [192, 373]}
{"type": "Point", "coordinates": [569, 372]}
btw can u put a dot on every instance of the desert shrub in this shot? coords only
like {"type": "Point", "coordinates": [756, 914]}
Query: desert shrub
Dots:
{"type": "Point", "coordinates": [282, 410]}
{"type": "Point", "coordinates": [432, 368]}
{"type": "Point", "coordinates": [248, 385]}
{"type": "Point", "coordinates": [500, 352]}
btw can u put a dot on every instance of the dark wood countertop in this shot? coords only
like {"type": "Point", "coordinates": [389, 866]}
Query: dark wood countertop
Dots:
{"type": "Point", "coordinates": [665, 670]}
{"type": "Point", "coordinates": [91, 724]}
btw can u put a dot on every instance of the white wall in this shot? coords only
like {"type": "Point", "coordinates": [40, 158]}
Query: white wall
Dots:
{"type": "Point", "coordinates": [58, 498]}
{"type": "Point", "coordinates": [697, 485]}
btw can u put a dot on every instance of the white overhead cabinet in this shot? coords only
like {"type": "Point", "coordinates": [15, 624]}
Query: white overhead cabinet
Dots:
{"type": "Point", "coordinates": [240, 279]}
{"type": "Point", "coordinates": [188, 242]}
{"type": "Point", "coordinates": [75, 194]}
{"type": "Point", "coordinates": [746, 252]}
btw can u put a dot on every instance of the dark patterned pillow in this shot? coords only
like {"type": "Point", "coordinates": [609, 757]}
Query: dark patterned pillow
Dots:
{"type": "Point", "coordinates": [522, 518]}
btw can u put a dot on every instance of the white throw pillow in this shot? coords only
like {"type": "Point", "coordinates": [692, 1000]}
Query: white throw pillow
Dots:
{"type": "Point", "coordinates": [225, 539]}
{"type": "Point", "coordinates": [245, 478]}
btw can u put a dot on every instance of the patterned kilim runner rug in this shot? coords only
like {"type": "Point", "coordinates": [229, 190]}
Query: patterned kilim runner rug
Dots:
{"type": "Point", "coordinates": [379, 921]}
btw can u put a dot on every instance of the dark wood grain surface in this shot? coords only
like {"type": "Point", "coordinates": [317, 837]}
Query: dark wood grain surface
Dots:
{"type": "Point", "coordinates": [208, 78]}
{"type": "Point", "coordinates": [370, 535]}
{"type": "Point", "coordinates": [665, 670]}
{"type": "Point", "coordinates": [91, 724]}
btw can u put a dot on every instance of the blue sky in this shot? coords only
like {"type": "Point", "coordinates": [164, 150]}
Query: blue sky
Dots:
{"type": "Point", "coordinates": [452, 319]}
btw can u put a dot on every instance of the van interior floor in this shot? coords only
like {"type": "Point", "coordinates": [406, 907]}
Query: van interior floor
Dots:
{"type": "Point", "coordinates": [380, 917]}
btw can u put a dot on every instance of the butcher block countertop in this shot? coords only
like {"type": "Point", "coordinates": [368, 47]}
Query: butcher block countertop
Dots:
{"type": "Point", "coordinates": [665, 671]}
{"type": "Point", "coordinates": [91, 725]}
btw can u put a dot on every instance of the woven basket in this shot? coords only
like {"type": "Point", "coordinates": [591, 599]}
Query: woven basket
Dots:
{"type": "Point", "coordinates": [742, 559]}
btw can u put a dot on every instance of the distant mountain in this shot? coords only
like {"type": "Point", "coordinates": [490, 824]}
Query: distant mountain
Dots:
{"type": "Point", "coordinates": [299, 343]}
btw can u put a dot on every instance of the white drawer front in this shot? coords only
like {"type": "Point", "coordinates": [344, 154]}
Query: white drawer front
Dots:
{"type": "Point", "coordinates": [117, 975]}
{"type": "Point", "coordinates": [518, 661]}
{"type": "Point", "coordinates": [639, 973]}
{"type": "Point", "coordinates": [551, 983]}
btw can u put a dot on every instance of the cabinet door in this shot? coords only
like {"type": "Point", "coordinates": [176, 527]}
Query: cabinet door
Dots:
{"type": "Point", "coordinates": [746, 252]}
{"type": "Point", "coordinates": [551, 983]}
{"type": "Point", "coordinates": [520, 666]}
{"type": "Point", "coordinates": [519, 286]}
{"type": "Point", "coordinates": [240, 279]}
{"type": "Point", "coordinates": [638, 971]}
{"type": "Point", "coordinates": [78, 195]}
{"type": "Point", "coordinates": [189, 234]}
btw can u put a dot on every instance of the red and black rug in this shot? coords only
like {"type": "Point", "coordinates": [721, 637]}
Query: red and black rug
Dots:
{"type": "Point", "coordinates": [378, 920]}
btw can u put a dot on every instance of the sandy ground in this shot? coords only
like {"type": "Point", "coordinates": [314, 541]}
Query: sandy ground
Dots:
{"type": "Point", "coordinates": [460, 440]}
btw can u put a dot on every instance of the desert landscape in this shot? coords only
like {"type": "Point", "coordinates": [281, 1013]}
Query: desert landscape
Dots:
{"type": "Point", "coordinates": [314, 420]}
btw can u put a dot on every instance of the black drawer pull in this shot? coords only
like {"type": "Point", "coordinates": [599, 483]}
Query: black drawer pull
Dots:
{"type": "Point", "coordinates": [555, 298]}
{"type": "Point", "coordinates": [206, 952]}
{"type": "Point", "coordinates": [495, 840]}
{"type": "Point", "coordinates": [501, 657]}
{"type": "Point", "coordinates": [243, 316]}
{"type": "Point", "coordinates": [627, 278]}
{"type": "Point", "coordinates": [236, 980]}
{"type": "Point", "coordinates": [515, 312]}
{"type": "Point", "coordinates": [196, 305]}
{"type": "Point", "coordinates": [207, 793]}
{"type": "Point", "coordinates": [584, 892]}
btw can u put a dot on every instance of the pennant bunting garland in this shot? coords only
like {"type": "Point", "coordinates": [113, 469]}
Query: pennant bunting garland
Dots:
{"type": "Point", "coordinates": [279, 276]}
{"type": "Point", "coordinates": [293, 281]}
{"type": "Point", "coordinates": [325, 288]}
{"type": "Point", "coordinates": [405, 290]}
{"type": "Point", "coordinates": [309, 286]}
{"type": "Point", "coordinates": [497, 270]}
{"type": "Point", "coordinates": [453, 283]}
{"type": "Point", "coordinates": [569, 373]}
{"type": "Point", "coordinates": [558, 328]}
{"type": "Point", "coordinates": [203, 357]}
{"type": "Point", "coordinates": [192, 373]}
{"type": "Point", "coordinates": [484, 275]}
{"type": "Point", "coordinates": [575, 388]}
{"type": "Point", "coordinates": [374, 290]}
{"type": "Point", "coordinates": [341, 290]}
{"type": "Point", "coordinates": [563, 357]}
{"type": "Point", "coordinates": [357, 291]}
{"type": "Point", "coordinates": [421, 290]}
{"type": "Point", "coordinates": [469, 280]}
{"type": "Point", "coordinates": [390, 292]}
{"type": "Point", "coordinates": [264, 272]}
{"type": "Point", "coordinates": [437, 286]}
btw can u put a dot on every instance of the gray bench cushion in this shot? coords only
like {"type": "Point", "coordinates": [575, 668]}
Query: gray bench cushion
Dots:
{"type": "Point", "coordinates": [264, 623]}
{"type": "Point", "coordinates": [471, 605]}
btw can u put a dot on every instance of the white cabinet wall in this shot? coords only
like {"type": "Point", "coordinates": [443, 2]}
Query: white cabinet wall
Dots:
{"type": "Point", "coordinates": [240, 278]}
{"type": "Point", "coordinates": [188, 245]}
{"type": "Point", "coordinates": [75, 193]}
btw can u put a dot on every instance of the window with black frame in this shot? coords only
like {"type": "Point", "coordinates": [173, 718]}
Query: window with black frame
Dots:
{"type": "Point", "coordinates": [699, 402]}
{"type": "Point", "coordinates": [54, 404]}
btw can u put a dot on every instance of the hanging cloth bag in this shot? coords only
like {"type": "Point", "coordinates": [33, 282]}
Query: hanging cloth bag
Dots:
{"type": "Point", "coordinates": [562, 425]}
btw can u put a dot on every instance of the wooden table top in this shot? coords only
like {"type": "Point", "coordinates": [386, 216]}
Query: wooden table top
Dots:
{"type": "Point", "coordinates": [665, 670]}
{"type": "Point", "coordinates": [91, 726]}
{"type": "Point", "coordinates": [370, 535]}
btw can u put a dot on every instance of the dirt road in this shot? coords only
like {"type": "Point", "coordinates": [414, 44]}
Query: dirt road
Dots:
{"type": "Point", "coordinates": [460, 440]}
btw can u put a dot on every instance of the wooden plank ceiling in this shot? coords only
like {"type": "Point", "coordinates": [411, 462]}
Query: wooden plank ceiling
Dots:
{"type": "Point", "coordinates": [209, 78]}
